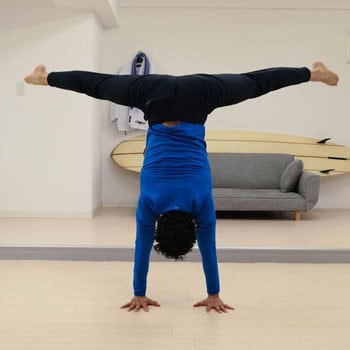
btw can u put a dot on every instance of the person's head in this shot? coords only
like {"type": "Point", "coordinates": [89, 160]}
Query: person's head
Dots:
{"type": "Point", "coordinates": [175, 234]}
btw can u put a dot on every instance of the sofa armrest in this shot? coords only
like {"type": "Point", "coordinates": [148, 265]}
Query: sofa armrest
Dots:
{"type": "Point", "coordinates": [309, 188]}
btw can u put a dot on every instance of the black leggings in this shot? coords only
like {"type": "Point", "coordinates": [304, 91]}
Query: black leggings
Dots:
{"type": "Point", "coordinates": [188, 98]}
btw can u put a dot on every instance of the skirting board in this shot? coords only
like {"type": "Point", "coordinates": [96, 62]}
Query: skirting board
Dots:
{"type": "Point", "coordinates": [233, 254]}
{"type": "Point", "coordinates": [51, 214]}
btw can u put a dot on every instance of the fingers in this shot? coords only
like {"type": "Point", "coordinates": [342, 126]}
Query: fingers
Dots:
{"type": "Point", "coordinates": [200, 303]}
{"type": "Point", "coordinates": [223, 309]}
{"type": "Point", "coordinates": [143, 306]}
{"type": "Point", "coordinates": [125, 306]}
{"type": "Point", "coordinates": [137, 305]}
{"type": "Point", "coordinates": [140, 306]}
{"type": "Point", "coordinates": [218, 307]}
{"type": "Point", "coordinates": [229, 307]}
{"type": "Point", "coordinates": [153, 303]}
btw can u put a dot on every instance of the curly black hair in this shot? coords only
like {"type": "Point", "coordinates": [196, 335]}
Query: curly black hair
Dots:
{"type": "Point", "coordinates": [175, 234]}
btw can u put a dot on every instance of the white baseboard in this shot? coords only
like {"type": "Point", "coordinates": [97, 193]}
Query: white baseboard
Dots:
{"type": "Point", "coordinates": [97, 209]}
{"type": "Point", "coordinates": [232, 254]}
{"type": "Point", "coordinates": [45, 214]}
{"type": "Point", "coordinates": [119, 204]}
{"type": "Point", "coordinates": [64, 214]}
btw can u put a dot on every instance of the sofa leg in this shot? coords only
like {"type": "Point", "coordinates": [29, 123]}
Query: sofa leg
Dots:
{"type": "Point", "coordinates": [297, 215]}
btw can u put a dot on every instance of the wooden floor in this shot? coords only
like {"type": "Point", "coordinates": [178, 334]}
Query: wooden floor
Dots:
{"type": "Point", "coordinates": [75, 305]}
{"type": "Point", "coordinates": [318, 228]}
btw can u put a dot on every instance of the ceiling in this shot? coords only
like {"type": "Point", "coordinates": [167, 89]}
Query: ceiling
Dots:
{"type": "Point", "coordinates": [19, 13]}
{"type": "Point", "coordinates": [246, 4]}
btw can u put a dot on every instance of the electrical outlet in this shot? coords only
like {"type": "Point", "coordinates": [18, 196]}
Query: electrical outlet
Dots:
{"type": "Point", "coordinates": [20, 88]}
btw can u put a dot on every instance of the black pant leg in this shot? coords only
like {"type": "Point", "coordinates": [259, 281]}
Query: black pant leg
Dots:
{"type": "Point", "coordinates": [271, 79]}
{"type": "Point", "coordinates": [229, 89]}
{"type": "Point", "coordinates": [120, 89]}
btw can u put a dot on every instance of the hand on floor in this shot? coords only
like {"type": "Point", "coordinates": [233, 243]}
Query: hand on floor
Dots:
{"type": "Point", "coordinates": [138, 303]}
{"type": "Point", "coordinates": [213, 302]}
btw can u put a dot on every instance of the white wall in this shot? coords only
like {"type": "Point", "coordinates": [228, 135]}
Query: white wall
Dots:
{"type": "Point", "coordinates": [184, 41]}
{"type": "Point", "coordinates": [49, 139]}
{"type": "Point", "coordinates": [96, 125]}
{"type": "Point", "coordinates": [51, 158]}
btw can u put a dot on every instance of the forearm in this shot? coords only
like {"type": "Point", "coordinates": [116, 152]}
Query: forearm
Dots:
{"type": "Point", "coordinates": [207, 247]}
{"type": "Point", "coordinates": [143, 247]}
{"type": "Point", "coordinates": [145, 228]}
{"type": "Point", "coordinates": [211, 271]}
{"type": "Point", "coordinates": [141, 266]}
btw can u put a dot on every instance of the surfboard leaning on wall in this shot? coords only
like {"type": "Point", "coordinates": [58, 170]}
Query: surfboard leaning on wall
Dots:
{"type": "Point", "coordinates": [319, 156]}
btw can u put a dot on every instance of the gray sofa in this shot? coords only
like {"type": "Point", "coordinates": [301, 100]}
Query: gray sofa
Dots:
{"type": "Point", "coordinates": [262, 182]}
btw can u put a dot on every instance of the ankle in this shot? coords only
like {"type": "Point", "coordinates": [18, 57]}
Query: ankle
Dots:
{"type": "Point", "coordinates": [314, 75]}
{"type": "Point", "coordinates": [42, 79]}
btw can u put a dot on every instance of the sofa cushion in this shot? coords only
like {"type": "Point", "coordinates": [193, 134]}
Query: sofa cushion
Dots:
{"type": "Point", "coordinates": [248, 170]}
{"type": "Point", "coordinates": [290, 176]}
{"type": "Point", "coordinates": [261, 199]}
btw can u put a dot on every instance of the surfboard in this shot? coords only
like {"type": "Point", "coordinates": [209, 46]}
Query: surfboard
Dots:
{"type": "Point", "coordinates": [322, 157]}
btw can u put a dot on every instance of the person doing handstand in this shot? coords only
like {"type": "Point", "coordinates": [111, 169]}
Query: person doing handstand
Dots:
{"type": "Point", "coordinates": [175, 206]}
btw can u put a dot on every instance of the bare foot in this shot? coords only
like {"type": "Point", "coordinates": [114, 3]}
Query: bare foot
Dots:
{"type": "Point", "coordinates": [38, 76]}
{"type": "Point", "coordinates": [320, 72]}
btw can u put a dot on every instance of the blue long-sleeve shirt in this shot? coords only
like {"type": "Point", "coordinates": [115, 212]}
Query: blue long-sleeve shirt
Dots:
{"type": "Point", "coordinates": [175, 176]}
